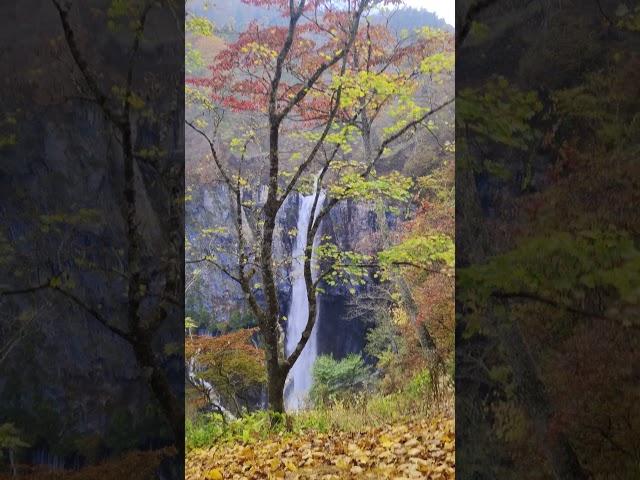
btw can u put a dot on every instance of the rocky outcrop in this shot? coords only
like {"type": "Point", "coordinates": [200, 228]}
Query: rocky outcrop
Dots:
{"type": "Point", "coordinates": [215, 296]}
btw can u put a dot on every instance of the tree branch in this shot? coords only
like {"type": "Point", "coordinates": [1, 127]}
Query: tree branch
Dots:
{"type": "Point", "coordinates": [215, 264]}
{"type": "Point", "coordinates": [334, 201]}
{"type": "Point", "coordinates": [82, 64]}
{"type": "Point", "coordinates": [469, 18]}
{"type": "Point", "coordinates": [214, 153]}
{"type": "Point", "coordinates": [294, 16]}
{"type": "Point", "coordinates": [75, 299]}
{"type": "Point", "coordinates": [302, 93]}
{"type": "Point", "coordinates": [550, 302]}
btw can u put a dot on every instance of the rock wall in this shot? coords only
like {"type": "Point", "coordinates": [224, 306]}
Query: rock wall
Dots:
{"type": "Point", "coordinates": [68, 379]}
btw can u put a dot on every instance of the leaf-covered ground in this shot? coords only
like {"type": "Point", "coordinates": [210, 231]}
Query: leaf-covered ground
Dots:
{"type": "Point", "coordinates": [421, 449]}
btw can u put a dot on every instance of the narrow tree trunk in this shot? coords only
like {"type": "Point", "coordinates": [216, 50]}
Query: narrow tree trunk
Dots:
{"type": "Point", "coordinates": [560, 454]}
{"type": "Point", "coordinates": [275, 388]}
{"type": "Point", "coordinates": [161, 388]}
{"type": "Point", "coordinates": [12, 463]}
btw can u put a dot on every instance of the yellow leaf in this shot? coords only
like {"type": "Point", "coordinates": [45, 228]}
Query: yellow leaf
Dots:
{"type": "Point", "coordinates": [414, 452]}
{"type": "Point", "coordinates": [214, 474]}
{"type": "Point", "coordinates": [247, 453]}
{"type": "Point", "coordinates": [343, 463]}
{"type": "Point", "coordinates": [411, 443]}
{"type": "Point", "coordinates": [385, 441]}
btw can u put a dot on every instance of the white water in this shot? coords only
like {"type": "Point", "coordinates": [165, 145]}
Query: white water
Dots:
{"type": "Point", "coordinates": [211, 391]}
{"type": "Point", "coordinates": [299, 377]}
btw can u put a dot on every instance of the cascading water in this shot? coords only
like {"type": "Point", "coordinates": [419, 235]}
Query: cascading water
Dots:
{"type": "Point", "coordinates": [299, 378]}
{"type": "Point", "coordinates": [202, 384]}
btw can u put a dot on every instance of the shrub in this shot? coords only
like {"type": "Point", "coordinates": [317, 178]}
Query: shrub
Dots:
{"type": "Point", "coordinates": [420, 385]}
{"type": "Point", "coordinates": [210, 428]}
{"type": "Point", "coordinates": [337, 380]}
{"type": "Point", "coordinates": [229, 363]}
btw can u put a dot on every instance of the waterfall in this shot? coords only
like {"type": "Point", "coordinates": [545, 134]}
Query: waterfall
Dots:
{"type": "Point", "coordinates": [299, 378]}
{"type": "Point", "coordinates": [214, 397]}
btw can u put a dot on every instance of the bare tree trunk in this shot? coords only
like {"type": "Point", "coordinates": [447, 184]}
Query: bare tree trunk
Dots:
{"type": "Point", "coordinates": [560, 454]}
{"type": "Point", "coordinates": [275, 388]}
{"type": "Point", "coordinates": [161, 388]}
{"type": "Point", "coordinates": [12, 463]}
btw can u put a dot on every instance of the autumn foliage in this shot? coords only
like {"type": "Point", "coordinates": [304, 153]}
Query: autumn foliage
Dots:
{"type": "Point", "coordinates": [419, 449]}
{"type": "Point", "coordinates": [230, 363]}
{"type": "Point", "coordinates": [241, 75]}
{"type": "Point", "coordinates": [328, 93]}
{"type": "Point", "coordinates": [548, 293]}
{"type": "Point", "coordinates": [434, 292]}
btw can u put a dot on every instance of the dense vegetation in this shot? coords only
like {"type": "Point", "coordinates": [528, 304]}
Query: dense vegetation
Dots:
{"type": "Point", "coordinates": [548, 278]}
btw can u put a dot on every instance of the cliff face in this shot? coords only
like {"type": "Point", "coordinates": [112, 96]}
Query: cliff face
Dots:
{"type": "Point", "coordinates": [214, 296]}
{"type": "Point", "coordinates": [67, 380]}
{"type": "Point", "coordinates": [72, 387]}
{"type": "Point", "coordinates": [350, 224]}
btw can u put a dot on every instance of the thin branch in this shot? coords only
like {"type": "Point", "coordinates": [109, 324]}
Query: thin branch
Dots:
{"type": "Point", "coordinates": [469, 18]}
{"type": "Point", "coordinates": [214, 153]}
{"type": "Point", "coordinates": [332, 114]}
{"type": "Point", "coordinates": [406, 128]}
{"type": "Point", "coordinates": [334, 201]}
{"type": "Point", "coordinates": [21, 291]}
{"type": "Point", "coordinates": [294, 16]}
{"type": "Point", "coordinates": [82, 64]}
{"type": "Point", "coordinates": [215, 264]}
{"type": "Point", "coordinates": [242, 256]}
{"type": "Point", "coordinates": [302, 93]}
{"type": "Point", "coordinates": [552, 303]}
{"type": "Point", "coordinates": [75, 299]}
{"type": "Point", "coordinates": [603, 13]}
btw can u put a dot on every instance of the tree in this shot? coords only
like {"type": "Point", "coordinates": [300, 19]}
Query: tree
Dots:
{"type": "Point", "coordinates": [226, 366]}
{"type": "Point", "coordinates": [547, 286]}
{"type": "Point", "coordinates": [10, 441]}
{"type": "Point", "coordinates": [426, 252]}
{"type": "Point", "coordinates": [333, 73]}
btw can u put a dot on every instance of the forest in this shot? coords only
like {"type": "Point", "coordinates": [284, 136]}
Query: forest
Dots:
{"type": "Point", "coordinates": [320, 241]}
{"type": "Point", "coordinates": [547, 241]}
